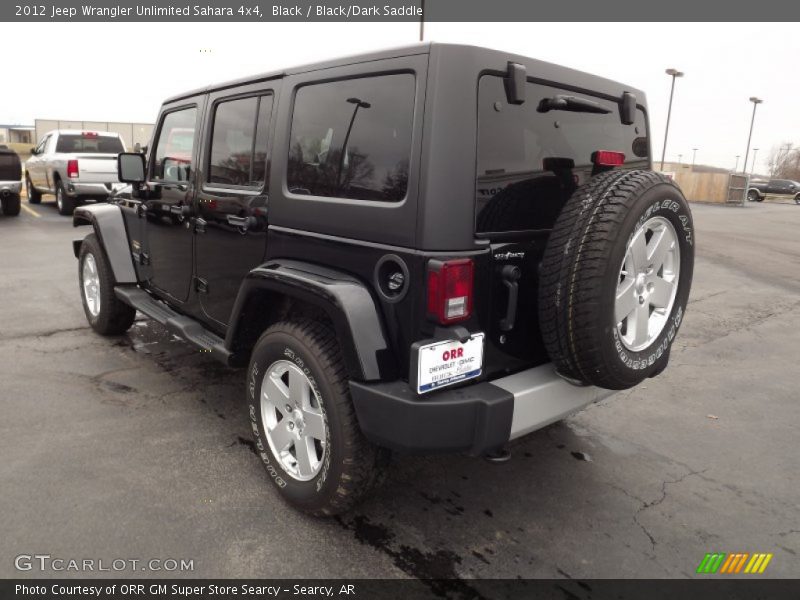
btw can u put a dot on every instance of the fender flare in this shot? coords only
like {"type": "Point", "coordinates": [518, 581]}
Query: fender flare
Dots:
{"type": "Point", "coordinates": [344, 299]}
{"type": "Point", "coordinates": [109, 225]}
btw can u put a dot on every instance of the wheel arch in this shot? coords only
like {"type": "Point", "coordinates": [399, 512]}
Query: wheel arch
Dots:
{"type": "Point", "coordinates": [284, 288]}
{"type": "Point", "coordinates": [109, 226]}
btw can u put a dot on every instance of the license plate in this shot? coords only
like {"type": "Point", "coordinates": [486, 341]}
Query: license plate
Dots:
{"type": "Point", "coordinates": [444, 363]}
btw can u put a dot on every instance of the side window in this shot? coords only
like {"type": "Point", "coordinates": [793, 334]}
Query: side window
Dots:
{"type": "Point", "coordinates": [239, 142]}
{"type": "Point", "coordinates": [352, 138]}
{"type": "Point", "coordinates": [175, 145]}
{"type": "Point", "coordinates": [40, 148]}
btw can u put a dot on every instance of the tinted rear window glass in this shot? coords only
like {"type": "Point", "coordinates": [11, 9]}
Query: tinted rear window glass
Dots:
{"type": "Point", "coordinates": [530, 162]}
{"type": "Point", "coordinates": [352, 138]}
{"type": "Point", "coordinates": [78, 144]}
{"type": "Point", "coordinates": [239, 141]}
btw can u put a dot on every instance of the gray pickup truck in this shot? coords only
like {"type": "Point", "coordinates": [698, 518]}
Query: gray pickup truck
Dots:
{"type": "Point", "coordinates": [75, 166]}
{"type": "Point", "coordinates": [781, 188]}
{"type": "Point", "coordinates": [10, 181]}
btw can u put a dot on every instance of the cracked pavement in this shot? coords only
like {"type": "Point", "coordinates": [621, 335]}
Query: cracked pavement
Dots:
{"type": "Point", "coordinates": [138, 446]}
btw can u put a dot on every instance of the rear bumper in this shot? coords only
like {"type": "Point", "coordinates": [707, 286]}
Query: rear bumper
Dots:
{"type": "Point", "coordinates": [77, 188]}
{"type": "Point", "coordinates": [10, 187]}
{"type": "Point", "coordinates": [472, 419]}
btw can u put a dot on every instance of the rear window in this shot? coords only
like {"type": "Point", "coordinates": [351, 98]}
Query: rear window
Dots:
{"type": "Point", "coordinates": [79, 144]}
{"type": "Point", "coordinates": [530, 162]}
{"type": "Point", "coordinates": [352, 138]}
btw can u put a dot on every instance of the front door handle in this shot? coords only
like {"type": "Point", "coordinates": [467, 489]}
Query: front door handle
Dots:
{"type": "Point", "coordinates": [511, 275]}
{"type": "Point", "coordinates": [243, 223]}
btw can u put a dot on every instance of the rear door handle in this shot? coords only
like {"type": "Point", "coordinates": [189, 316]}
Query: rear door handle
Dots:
{"type": "Point", "coordinates": [511, 275]}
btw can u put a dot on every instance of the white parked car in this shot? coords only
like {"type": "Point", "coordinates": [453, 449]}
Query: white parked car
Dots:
{"type": "Point", "coordinates": [74, 165]}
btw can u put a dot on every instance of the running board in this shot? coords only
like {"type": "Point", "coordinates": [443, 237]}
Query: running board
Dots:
{"type": "Point", "coordinates": [182, 326]}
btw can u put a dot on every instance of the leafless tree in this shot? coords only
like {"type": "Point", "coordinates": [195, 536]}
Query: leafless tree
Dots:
{"type": "Point", "coordinates": [784, 162]}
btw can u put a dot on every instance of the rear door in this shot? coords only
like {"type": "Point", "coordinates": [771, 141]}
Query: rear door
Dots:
{"type": "Point", "coordinates": [232, 200]}
{"type": "Point", "coordinates": [531, 158]}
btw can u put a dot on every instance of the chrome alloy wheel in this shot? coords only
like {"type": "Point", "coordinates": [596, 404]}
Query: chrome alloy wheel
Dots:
{"type": "Point", "coordinates": [90, 279]}
{"type": "Point", "coordinates": [59, 198]}
{"type": "Point", "coordinates": [295, 426]}
{"type": "Point", "coordinates": [648, 282]}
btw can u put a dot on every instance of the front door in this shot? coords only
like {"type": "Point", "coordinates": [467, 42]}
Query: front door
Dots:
{"type": "Point", "coordinates": [168, 202]}
{"type": "Point", "coordinates": [232, 196]}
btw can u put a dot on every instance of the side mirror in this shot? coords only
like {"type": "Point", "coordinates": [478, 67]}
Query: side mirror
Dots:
{"type": "Point", "coordinates": [33, 152]}
{"type": "Point", "coordinates": [130, 167]}
{"type": "Point", "coordinates": [139, 149]}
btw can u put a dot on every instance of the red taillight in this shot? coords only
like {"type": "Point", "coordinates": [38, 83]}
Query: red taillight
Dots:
{"type": "Point", "coordinates": [89, 134]}
{"type": "Point", "coordinates": [72, 169]}
{"type": "Point", "coordinates": [450, 290]}
{"type": "Point", "coordinates": [607, 158]}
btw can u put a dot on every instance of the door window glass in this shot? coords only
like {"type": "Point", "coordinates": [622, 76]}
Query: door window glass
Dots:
{"type": "Point", "coordinates": [175, 146]}
{"type": "Point", "coordinates": [239, 141]}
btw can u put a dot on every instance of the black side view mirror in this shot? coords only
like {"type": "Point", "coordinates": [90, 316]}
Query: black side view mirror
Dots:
{"type": "Point", "coordinates": [130, 167]}
{"type": "Point", "coordinates": [33, 152]}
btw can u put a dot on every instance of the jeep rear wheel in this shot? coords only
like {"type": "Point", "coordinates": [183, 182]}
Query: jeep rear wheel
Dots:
{"type": "Point", "coordinates": [303, 420]}
{"type": "Point", "coordinates": [106, 313]}
{"type": "Point", "coordinates": [615, 278]}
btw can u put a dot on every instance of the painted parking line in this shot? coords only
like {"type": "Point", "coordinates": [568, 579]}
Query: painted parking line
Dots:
{"type": "Point", "coordinates": [29, 210]}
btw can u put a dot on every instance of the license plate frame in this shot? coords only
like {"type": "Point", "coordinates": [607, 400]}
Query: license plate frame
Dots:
{"type": "Point", "coordinates": [431, 353]}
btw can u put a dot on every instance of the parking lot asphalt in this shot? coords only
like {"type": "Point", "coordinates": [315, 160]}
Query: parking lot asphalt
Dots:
{"type": "Point", "coordinates": [138, 446]}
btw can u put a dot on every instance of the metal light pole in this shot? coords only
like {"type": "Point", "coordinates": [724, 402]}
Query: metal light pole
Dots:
{"type": "Point", "coordinates": [673, 73]}
{"type": "Point", "coordinates": [694, 156]}
{"type": "Point", "coordinates": [680, 159]}
{"type": "Point", "coordinates": [736, 168]}
{"type": "Point", "coordinates": [359, 104]}
{"type": "Point", "coordinates": [422, 21]}
{"type": "Point", "coordinates": [756, 102]}
{"type": "Point", "coordinates": [753, 168]}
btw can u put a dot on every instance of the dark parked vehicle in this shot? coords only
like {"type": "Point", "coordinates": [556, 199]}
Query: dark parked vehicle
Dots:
{"type": "Point", "coordinates": [10, 181]}
{"type": "Point", "coordinates": [786, 188]}
{"type": "Point", "coordinates": [429, 249]}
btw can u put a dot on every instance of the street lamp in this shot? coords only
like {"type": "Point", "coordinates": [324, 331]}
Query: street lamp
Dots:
{"type": "Point", "coordinates": [358, 104]}
{"type": "Point", "coordinates": [680, 159]}
{"type": "Point", "coordinates": [753, 168]}
{"type": "Point", "coordinates": [756, 102]}
{"type": "Point", "coordinates": [694, 156]}
{"type": "Point", "coordinates": [736, 168]}
{"type": "Point", "coordinates": [673, 73]}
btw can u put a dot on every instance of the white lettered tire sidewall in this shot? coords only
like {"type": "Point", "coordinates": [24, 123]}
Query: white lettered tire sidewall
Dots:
{"type": "Point", "coordinates": [314, 493]}
{"type": "Point", "coordinates": [665, 201]}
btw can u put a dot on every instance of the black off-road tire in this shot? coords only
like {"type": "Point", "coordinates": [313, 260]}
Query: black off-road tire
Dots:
{"type": "Point", "coordinates": [115, 317]}
{"type": "Point", "coordinates": [580, 273]}
{"type": "Point", "coordinates": [66, 204]}
{"type": "Point", "coordinates": [34, 196]}
{"type": "Point", "coordinates": [11, 205]}
{"type": "Point", "coordinates": [753, 196]}
{"type": "Point", "coordinates": [352, 466]}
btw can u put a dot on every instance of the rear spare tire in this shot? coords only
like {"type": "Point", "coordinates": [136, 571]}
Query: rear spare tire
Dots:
{"type": "Point", "coordinates": [615, 278]}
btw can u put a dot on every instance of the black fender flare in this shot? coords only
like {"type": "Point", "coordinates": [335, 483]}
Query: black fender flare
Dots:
{"type": "Point", "coordinates": [343, 298]}
{"type": "Point", "coordinates": [109, 225]}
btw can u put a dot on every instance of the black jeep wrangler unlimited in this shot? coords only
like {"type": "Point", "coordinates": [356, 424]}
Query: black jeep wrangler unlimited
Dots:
{"type": "Point", "coordinates": [436, 248]}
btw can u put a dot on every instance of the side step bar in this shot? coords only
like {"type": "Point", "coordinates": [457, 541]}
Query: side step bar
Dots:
{"type": "Point", "coordinates": [180, 325]}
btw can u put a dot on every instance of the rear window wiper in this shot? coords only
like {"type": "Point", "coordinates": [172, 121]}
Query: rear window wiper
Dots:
{"type": "Point", "coordinates": [571, 104]}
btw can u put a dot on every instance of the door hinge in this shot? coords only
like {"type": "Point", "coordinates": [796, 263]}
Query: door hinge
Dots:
{"type": "Point", "coordinates": [200, 285]}
{"type": "Point", "coordinates": [141, 258]}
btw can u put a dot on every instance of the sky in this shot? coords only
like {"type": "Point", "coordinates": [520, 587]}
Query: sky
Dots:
{"type": "Point", "coordinates": [115, 71]}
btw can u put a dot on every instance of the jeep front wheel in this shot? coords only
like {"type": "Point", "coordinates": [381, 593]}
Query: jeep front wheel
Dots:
{"type": "Point", "coordinates": [106, 313]}
{"type": "Point", "coordinates": [615, 278]}
{"type": "Point", "coordinates": [303, 420]}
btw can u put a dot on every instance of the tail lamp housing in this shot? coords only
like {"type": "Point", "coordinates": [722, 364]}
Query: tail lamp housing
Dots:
{"type": "Point", "coordinates": [72, 169]}
{"type": "Point", "coordinates": [450, 287]}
